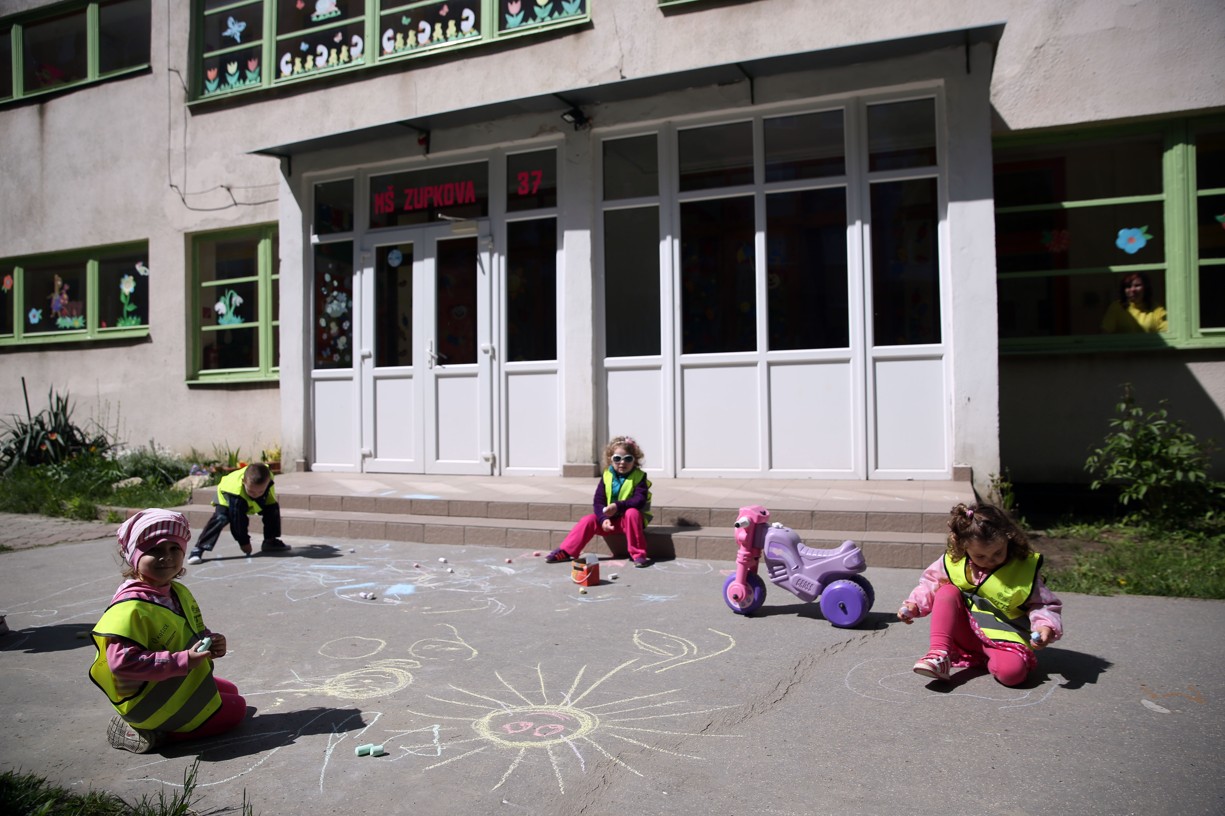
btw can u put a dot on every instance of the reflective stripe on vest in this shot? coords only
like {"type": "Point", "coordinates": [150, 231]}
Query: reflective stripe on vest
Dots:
{"type": "Point", "coordinates": [998, 603]}
{"type": "Point", "coordinates": [176, 703]}
{"type": "Point", "coordinates": [627, 490]}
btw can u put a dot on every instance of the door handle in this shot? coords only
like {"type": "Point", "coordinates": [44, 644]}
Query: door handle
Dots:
{"type": "Point", "coordinates": [434, 358]}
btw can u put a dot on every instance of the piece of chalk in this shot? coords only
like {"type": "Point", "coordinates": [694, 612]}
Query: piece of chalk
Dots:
{"type": "Point", "coordinates": [418, 566]}
{"type": "Point", "coordinates": [377, 750]}
{"type": "Point", "coordinates": [203, 645]}
{"type": "Point", "coordinates": [450, 569]}
{"type": "Point", "coordinates": [582, 591]}
{"type": "Point", "coordinates": [536, 553]}
{"type": "Point", "coordinates": [363, 750]}
{"type": "Point", "coordinates": [1035, 636]}
{"type": "Point", "coordinates": [351, 549]}
{"type": "Point", "coordinates": [509, 560]}
{"type": "Point", "coordinates": [614, 576]}
{"type": "Point", "coordinates": [442, 560]}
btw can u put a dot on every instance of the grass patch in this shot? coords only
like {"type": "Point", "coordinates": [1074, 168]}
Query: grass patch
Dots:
{"type": "Point", "coordinates": [27, 794]}
{"type": "Point", "coordinates": [78, 487]}
{"type": "Point", "coordinates": [1144, 558]}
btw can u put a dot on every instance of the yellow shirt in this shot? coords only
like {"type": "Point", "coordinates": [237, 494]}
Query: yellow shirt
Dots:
{"type": "Point", "coordinates": [1133, 319]}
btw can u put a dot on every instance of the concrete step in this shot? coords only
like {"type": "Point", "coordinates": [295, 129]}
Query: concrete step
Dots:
{"type": "Point", "coordinates": [689, 532]}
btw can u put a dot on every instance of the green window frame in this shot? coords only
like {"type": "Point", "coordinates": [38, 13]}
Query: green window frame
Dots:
{"type": "Point", "coordinates": [81, 295]}
{"type": "Point", "coordinates": [40, 50]}
{"type": "Point", "coordinates": [250, 45]}
{"type": "Point", "coordinates": [234, 299]}
{"type": "Point", "coordinates": [1173, 241]}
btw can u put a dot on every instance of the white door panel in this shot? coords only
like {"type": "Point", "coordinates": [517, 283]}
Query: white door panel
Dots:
{"type": "Point", "coordinates": [910, 418]}
{"type": "Point", "coordinates": [721, 419]}
{"type": "Point", "coordinates": [335, 408]}
{"type": "Point", "coordinates": [532, 419]}
{"type": "Point", "coordinates": [812, 408]}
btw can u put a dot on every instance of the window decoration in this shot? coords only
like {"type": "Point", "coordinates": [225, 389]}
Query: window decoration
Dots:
{"type": "Point", "coordinates": [79, 295]}
{"type": "Point", "coordinates": [67, 45]}
{"type": "Point", "coordinates": [1133, 240]}
{"type": "Point", "coordinates": [234, 305]}
{"type": "Point", "coordinates": [310, 38]}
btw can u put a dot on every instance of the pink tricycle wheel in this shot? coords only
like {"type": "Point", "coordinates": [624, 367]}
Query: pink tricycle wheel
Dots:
{"type": "Point", "coordinates": [750, 604]}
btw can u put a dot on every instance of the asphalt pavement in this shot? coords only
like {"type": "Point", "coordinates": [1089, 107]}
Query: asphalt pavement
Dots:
{"type": "Point", "coordinates": [496, 686]}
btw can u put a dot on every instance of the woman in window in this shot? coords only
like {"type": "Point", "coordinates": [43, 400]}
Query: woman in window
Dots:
{"type": "Point", "coordinates": [1135, 311]}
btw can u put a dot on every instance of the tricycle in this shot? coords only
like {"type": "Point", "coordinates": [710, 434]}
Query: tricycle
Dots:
{"type": "Point", "coordinates": [834, 576]}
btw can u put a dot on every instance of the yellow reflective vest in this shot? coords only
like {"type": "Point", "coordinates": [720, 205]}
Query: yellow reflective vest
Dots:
{"type": "Point", "coordinates": [997, 604]}
{"type": "Point", "coordinates": [176, 703]}
{"type": "Point", "coordinates": [232, 483]}
{"type": "Point", "coordinates": [627, 490]}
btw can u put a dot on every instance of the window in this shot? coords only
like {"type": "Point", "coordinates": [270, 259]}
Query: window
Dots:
{"type": "Point", "coordinates": [1112, 239]}
{"type": "Point", "coordinates": [631, 247]}
{"type": "Point", "coordinates": [259, 43]}
{"type": "Point", "coordinates": [74, 44]}
{"type": "Point", "coordinates": [80, 295]}
{"type": "Point", "coordinates": [236, 282]}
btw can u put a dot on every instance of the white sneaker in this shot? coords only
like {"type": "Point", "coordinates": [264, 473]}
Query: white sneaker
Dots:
{"type": "Point", "coordinates": [195, 559]}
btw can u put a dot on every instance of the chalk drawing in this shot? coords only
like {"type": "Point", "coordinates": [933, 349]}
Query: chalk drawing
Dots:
{"type": "Point", "coordinates": [552, 731]}
{"type": "Point", "coordinates": [378, 679]}
{"type": "Point", "coordinates": [891, 680]}
{"type": "Point", "coordinates": [440, 648]}
{"type": "Point", "coordinates": [1193, 694]}
{"type": "Point", "coordinates": [344, 648]}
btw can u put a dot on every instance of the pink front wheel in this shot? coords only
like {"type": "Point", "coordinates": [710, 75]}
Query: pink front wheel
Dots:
{"type": "Point", "coordinates": [755, 598]}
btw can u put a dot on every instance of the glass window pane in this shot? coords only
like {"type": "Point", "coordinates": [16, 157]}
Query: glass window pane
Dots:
{"type": "Point", "coordinates": [805, 146]}
{"type": "Point", "coordinates": [631, 167]}
{"type": "Point", "coordinates": [905, 263]}
{"type": "Point", "coordinates": [631, 282]}
{"type": "Point", "coordinates": [718, 296]}
{"type": "Point", "coordinates": [422, 196]}
{"type": "Point", "coordinates": [531, 290]}
{"type": "Point", "coordinates": [1080, 238]}
{"type": "Point", "coordinates": [321, 50]}
{"type": "Point", "coordinates": [224, 259]}
{"type": "Point", "coordinates": [54, 296]}
{"type": "Point", "coordinates": [231, 347]}
{"type": "Point", "coordinates": [531, 180]}
{"type": "Point", "coordinates": [1107, 168]}
{"type": "Point", "coordinates": [806, 269]}
{"type": "Point", "coordinates": [334, 207]}
{"type": "Point", "coordinates": [1068, 305]}
{"type": "Point", "coordinates": [237, 25]}
{"type": "Point", "coordinates": [55, 51]}
{"type": "Point", "coordinates": [393, 305]}
{"type": "Point", "coordinates": [296, 15]}
{"type": "Point", "coordinates": [405, 31]}
{"type": "Point", "coordinates": [6, 63]}
{"type": "Point", "coordinates": [231, 71]}
{"type": "Point", "coordinates": [123, 291]}
{"type": "Point", "coordinates": [515, 14]}
{"type": "Point", "coordinates": [1212, 297]}
{"type": "Point", "coordinates": [333, 305]}
{"type": "Point", "coordinates": [123, 35]}
{"type": "Point", "coordinates": [718, 156]}
{"type": "Point", "coordinates": [231, 304]}
{"type": "Point", "coordinates": [1211, 226]}
{"type": "Point", "coordinates": [1210, 160]}
{"type": "Point", "coordinates": [7, 300]}
{"type": "Point", "coordinates": [902, 134]}
{"type": "Point", "coordinates": [455, 288]}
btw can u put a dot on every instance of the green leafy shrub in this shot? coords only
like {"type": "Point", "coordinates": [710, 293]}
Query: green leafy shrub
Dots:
{"type": "Point", "coordinates": [1154, 462]}
{"type": "Point", "coordinates": [48, 437]}
{"type": "Point", "coordinates": [153, 464]}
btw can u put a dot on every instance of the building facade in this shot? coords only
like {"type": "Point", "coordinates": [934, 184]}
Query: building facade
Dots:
{"type": "Point", "coordinates": [773, 237]}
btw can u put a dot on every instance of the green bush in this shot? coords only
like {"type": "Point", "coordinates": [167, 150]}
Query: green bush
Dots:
{"type": "Point", "coordinates": [153, 465]}
{"type": "Point", "coordinates": [1155, 463]}
{"type": "Point", "coordinates": [48, 437]}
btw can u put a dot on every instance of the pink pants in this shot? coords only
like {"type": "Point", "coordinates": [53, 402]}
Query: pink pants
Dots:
{"type": "Point", "coordinates": [233, 710]}
{"type": "Point", "coordinates": [951, 632]}
{"type": "Point", "coordinates": [628, 522]}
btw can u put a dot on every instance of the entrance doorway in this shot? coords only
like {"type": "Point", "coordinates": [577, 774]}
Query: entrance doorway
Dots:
{"type": "Point", "coordinates": [421, 381]}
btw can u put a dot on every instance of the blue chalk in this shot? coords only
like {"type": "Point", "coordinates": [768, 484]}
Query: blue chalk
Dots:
{"type": "Point", "coordinates": [204, 645]}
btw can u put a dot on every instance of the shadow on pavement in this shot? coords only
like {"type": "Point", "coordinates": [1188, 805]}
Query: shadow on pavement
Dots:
{"type": "Point", "coordinates": [261, 733]}
{"type": "Point", "coordinates": [58, 637]}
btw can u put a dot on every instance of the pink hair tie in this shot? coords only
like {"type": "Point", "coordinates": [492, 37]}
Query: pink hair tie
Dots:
{"type": "Point", "coordinates": [969, 513]}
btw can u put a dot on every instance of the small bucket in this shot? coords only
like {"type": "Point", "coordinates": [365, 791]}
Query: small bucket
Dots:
{"type": "Point", "coordinates": [586, 572]}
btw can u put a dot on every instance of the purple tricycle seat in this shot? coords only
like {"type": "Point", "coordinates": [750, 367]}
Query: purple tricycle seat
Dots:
{"type": "Point", "coordinates": [803, 570]}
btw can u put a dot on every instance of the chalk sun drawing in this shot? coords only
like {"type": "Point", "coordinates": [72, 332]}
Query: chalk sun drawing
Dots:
{"type": "Point", "coordinates": [558, 730]}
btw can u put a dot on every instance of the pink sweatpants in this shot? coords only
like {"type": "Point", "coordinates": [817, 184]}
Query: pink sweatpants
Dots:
{"type": "Point", "coordinates": [629, 523]}
{"type": "Point", "coordinates": [233, 710]}
{"type": "Point", "coordinates": [951, 632]}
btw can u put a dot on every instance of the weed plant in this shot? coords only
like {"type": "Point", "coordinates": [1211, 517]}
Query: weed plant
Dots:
{"type": "Point", "coordinates": [26, 794]}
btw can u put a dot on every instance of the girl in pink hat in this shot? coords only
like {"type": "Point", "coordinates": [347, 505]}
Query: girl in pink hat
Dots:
{"type": "Point", "coordinates": [155, 655]}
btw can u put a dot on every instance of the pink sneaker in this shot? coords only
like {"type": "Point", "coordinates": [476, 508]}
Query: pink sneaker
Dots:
{"type": "Point", "coordinates": [934, 665]}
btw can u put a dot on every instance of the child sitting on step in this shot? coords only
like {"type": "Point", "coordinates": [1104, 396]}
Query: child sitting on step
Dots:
{"type": "Point", "coordinates": [622, 504]}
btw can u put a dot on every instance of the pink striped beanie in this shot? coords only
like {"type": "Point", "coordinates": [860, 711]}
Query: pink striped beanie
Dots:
{"type": "Point", "coordinates": [147, 528]}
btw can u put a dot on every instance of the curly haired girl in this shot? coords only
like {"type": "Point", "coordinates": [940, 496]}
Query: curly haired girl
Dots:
{"type": "Point", "coordinates": [988, 604]}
